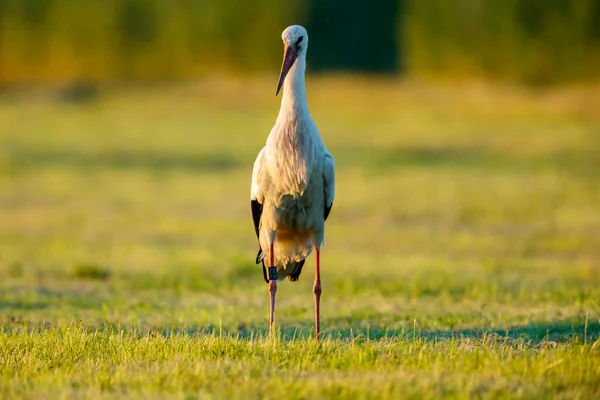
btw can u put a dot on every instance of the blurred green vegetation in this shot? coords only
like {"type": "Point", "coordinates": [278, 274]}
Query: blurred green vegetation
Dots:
{"type": "Point", "coordinates": [532, 41]}
{"type": "Point", "coordinates": [49, 40]}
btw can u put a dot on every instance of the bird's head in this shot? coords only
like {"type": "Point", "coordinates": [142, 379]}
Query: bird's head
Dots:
{"type": "Point", "coordinates": [295, 43]}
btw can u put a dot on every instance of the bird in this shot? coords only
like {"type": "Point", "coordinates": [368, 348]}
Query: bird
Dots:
{"type": "Point", "coordinates": [293, 182]}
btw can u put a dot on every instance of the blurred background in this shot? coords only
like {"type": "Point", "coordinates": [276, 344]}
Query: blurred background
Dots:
{"type": "Point", "coordinates": [466, 134]}
{"type": "Point", "coordinates": [533, 42]}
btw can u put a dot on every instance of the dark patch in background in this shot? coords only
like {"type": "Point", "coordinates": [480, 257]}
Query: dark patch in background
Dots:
{"type": "Point", "coordinates": [354, 36]}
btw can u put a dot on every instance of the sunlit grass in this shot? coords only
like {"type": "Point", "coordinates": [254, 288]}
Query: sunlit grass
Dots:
{"type": "Point", "coordinates": [117, 363]}
{"type": "Point", "coordinates": [461, 258]}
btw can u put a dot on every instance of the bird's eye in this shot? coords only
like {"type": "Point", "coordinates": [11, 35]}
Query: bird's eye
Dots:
{"type": "Point", "coordinates": [299, 40]}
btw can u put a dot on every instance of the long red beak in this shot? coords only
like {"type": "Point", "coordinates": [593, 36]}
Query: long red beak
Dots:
{"type": "Point", "coordinates": [288, 60]}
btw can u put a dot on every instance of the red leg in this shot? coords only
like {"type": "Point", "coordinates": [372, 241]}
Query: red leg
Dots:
{"type": "Point", "coordinates": [272, 290]}
{"type": "Point", "coordinates": [317, 291]}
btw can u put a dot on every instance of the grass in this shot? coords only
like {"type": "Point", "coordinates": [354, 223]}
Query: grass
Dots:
{"type": "Point", "coordinates": [461, 260]}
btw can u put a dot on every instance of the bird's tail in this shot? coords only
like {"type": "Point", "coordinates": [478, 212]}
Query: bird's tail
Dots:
{"type": "Point", "coordinates": [296, 269]}
{"type": "Point", "coordinates": [293, 270]}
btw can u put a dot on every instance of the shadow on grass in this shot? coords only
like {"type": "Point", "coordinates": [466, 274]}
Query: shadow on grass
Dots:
{"type": "Point", "coordinates": [24, 159]}
{"type": "Point", "coordinates": [532, 333]}
{"type": "Point", "coordinates": [464, 158]}
{"type": "Point", "coordinates": [18, 300]}
{"type": "Point", "coordinates": [7, 306]}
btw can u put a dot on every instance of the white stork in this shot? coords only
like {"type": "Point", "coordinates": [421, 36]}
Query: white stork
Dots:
{"type": "Point", "coordinates": [293, 181]}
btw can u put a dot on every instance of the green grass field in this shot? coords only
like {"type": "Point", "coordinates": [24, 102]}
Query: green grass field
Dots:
{"type": "Point", "coordinates": [462, 255]}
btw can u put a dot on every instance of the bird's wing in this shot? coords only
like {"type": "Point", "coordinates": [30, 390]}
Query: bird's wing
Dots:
{"type": "Point", "coordinates": [329, 182]}
{"type": "Point", "coordinates": [256, 190]}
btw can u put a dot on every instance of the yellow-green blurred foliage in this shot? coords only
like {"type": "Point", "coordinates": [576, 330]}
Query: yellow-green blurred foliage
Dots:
{"type": "Point", "coordinates": [49, 40]}
{"type": "Point", "coordinates": [533, 41]}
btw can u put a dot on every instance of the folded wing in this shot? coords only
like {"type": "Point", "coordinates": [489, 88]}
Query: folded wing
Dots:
{"type": "Point", "coordinates": [329, 182]}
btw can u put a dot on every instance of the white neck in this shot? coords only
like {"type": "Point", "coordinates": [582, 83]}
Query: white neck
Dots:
{"type": "Point", "coordinates": [293, 101]}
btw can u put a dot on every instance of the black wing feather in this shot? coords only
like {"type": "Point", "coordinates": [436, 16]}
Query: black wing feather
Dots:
{"type": "Point", "coordinates": [327, 210]}
{"type": "Point", "coordinates": [256, 213]}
